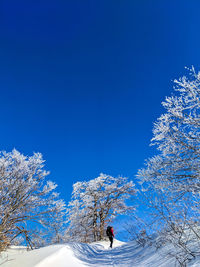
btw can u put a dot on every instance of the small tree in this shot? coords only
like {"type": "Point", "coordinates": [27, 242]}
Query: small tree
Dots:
{"type": "Point", "coordinates": [95, 203]}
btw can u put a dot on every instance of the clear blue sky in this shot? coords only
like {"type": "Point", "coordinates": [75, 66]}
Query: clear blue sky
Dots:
{"type": "Point", "coordinates": [82, 81]}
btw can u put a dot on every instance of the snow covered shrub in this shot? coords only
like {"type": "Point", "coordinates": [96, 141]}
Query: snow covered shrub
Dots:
{"type": "Point", "coordinates": [135, 229]}
{"type": "Point", "coordinates": [26, 199]}
{"type": "Point", "coordinates": [95, 203]}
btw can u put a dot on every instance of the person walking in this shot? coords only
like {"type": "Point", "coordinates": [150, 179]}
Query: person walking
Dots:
{"type": "Point", "coordinates": [110, 234]}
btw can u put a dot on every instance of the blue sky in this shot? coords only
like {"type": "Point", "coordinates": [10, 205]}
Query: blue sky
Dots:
{"type": "Point", "coordinates": [82, 81]}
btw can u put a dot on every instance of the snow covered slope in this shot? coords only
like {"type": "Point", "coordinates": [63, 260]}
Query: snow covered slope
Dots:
{"type": "Point", "coordinates": [96, 254]}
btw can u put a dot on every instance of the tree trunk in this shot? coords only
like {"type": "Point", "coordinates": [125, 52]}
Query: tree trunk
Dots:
{"type": "Point", "coordinates": [102, 223]}
{"type": "Point", "coordinates": [95, 222]}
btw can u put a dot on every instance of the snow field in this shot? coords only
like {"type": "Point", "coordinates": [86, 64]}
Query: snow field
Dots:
{"type": "Point", "coordinates": [96, 254]}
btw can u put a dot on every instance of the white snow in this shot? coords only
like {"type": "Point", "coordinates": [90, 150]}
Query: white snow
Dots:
{"type": "Point", "coordinates": [97, 254]}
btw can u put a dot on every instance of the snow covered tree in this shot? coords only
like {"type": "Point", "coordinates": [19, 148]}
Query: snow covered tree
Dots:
{"type": "Point", "coordinates": [95, 203]}
{"type": "Point", "coordinates": [171, 180]}
{"type": "Point", "coordinates": [177, 135]}
{"type": "Point", "coordinates": [27, 201]}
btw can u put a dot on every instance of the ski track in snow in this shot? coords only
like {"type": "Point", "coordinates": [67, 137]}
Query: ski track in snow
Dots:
{"type": "Point", "coordinates": [97, 254]}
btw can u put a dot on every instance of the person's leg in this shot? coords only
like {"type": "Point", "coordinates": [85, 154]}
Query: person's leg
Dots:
{"type": "Point", "coordinates": [111, 241]}
{"type": "Point", "coordinates": [110, 238]}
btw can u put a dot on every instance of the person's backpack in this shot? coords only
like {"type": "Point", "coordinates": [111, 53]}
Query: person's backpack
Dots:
{"type": "Point", "coordinates": [108, 231]}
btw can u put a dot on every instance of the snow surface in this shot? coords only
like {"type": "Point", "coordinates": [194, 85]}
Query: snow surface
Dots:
{"type": "Point", "coordinates": [96, 254]}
